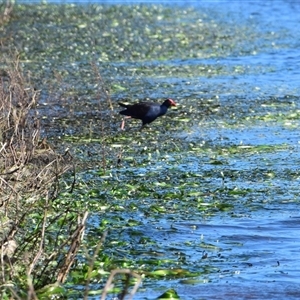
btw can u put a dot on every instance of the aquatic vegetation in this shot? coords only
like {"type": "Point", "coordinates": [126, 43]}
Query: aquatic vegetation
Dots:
{"type": "Point", "coordinates": [172, 204]}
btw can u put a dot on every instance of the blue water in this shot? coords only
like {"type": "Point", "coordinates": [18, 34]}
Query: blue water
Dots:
{"type": "Point", "coordinates": [268, 239]}
{"type": "Point", "coordinates": [266, 262]}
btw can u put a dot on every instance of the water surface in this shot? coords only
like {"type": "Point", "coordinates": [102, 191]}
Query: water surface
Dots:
{"type": "Point", "coordinates": [213, 187]}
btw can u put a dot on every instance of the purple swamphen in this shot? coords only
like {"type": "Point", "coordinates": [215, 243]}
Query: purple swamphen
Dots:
{"type": "Point", "coordinates": [145, 111]}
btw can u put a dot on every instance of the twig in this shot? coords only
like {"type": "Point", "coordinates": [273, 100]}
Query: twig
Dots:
{"type": "Point", "coordinates": [31, 292]}
{"type": "Point", "coordinates": [91, 265]}
{"type": "Point", "coordinates": [103, 90]}
{"type": "Point", "coordinates": [67, 152]}
{"type": "Point", "coordinates": [71, 256]}
{"type": "Point", "coordinates": [121, 271]}
{"type": "Point", "coordinates": [37, 256]}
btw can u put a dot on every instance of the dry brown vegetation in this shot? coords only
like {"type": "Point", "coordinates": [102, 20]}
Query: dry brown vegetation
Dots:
{"type": "Point", "coordinates": [33, 251]}
{"type": "Point", "coordinates": [6, 8]}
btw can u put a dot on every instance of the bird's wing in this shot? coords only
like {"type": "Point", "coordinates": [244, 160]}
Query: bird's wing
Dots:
{"type": "Point", "coordinates": [144, 108]}
{"type": "Point", "coordinates": [139, 110]}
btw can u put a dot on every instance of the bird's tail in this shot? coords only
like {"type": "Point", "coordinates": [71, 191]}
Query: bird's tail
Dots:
{"type": "Point", "coordinates": [123, 105]}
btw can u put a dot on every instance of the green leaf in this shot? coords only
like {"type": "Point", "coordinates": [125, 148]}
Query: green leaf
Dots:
{"type": "Point", "coordinates": [169, 294]}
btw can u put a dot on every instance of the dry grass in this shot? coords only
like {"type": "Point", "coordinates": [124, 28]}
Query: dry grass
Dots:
{"type": "Point", "coordinates": [30, 174]}
{"type": "Point", "coordinates": [39, 238]}
{"type": "Point", "coordinates": [6, 8]}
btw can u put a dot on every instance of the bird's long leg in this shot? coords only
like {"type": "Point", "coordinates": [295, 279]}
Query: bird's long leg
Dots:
{"type": "Point", "coordinates": [123, 122]}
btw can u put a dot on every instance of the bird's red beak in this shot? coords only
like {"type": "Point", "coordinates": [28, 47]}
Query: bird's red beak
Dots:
{"type": "Point", "coordinates": [172, 102]}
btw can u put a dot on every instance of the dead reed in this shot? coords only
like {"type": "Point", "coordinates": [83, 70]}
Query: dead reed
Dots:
{"type": "Point", "coordinates": [6, 8]}
{"type": "Point", "coordinates": [38, 241]}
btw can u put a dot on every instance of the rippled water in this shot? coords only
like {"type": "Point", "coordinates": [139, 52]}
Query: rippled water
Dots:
{"type": "Point", "coordinates": [255, 251]}
{"type": "Point", "coordinates": [255, 255]}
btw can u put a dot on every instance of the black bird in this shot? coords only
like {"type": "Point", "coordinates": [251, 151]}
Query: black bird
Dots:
{"type": "Point", "coordinates": [146, 111]}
